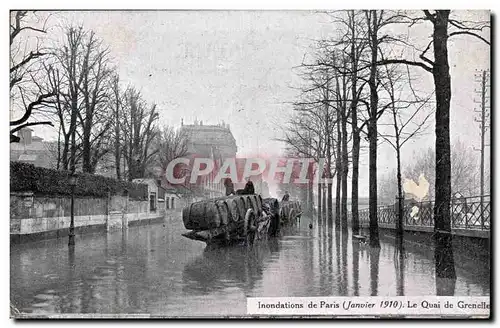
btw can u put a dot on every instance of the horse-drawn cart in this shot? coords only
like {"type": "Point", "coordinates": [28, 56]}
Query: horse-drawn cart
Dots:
{"type": "Point", "coordinates": [242, 218]}
{"type": "Point", "coordinates": [235, 219]}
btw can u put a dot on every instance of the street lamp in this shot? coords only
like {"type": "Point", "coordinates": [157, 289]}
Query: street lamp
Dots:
{"type": "Point", "coordinates": [72, 183]}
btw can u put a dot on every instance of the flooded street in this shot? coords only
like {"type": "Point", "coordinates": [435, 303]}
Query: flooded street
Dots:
{"type": "Point", "coordinates": [153, 269]}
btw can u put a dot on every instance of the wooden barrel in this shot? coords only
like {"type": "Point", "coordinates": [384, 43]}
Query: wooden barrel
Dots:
{"type": "Point", "coordinates": [254, 205]}
{"type": "Point", "coordinates": [212, 213]}
{"type": "Point", "coordinates": [259, 201]}
{"type": "Point", "coordinates": [202, 216]}
{"type": "Point", "coordinates": [248, 203]}
{"type": "Point", "coordinates": [223, 211]}
{"type": "Point", "coordinates": [234, 211]}
{"type": "Point", "coordinates": [242, 208]}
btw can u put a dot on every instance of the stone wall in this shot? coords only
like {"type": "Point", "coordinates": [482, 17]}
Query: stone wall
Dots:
{"type": "Point", "coordinates": [34, 217]}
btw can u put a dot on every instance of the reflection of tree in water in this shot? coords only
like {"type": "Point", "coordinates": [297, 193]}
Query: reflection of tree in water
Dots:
{"type": "Point", "coordinates": [221, 267]}
{"type": "Point", "coordinates": [444, 264]}
{"type": "Point", "coordinates": [374, 269]}
{"type": "Point", "coordinates": [341, 290]}
{"type": "Point", "coordinates": [399, 265]}
{"type": "Point", "coordinates": [355, 266]}
{"type": "Point", "coordinates": [344, 262]}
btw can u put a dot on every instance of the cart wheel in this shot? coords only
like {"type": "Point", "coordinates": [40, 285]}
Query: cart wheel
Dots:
{"type": "Point", "coordinates": [249, 227]}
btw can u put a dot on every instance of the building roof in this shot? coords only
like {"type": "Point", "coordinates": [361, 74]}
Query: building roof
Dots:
{"type": "Point", "coordinates": [207, 140]}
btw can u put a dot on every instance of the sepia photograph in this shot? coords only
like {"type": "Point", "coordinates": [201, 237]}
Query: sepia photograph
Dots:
{"type": "Point", "coordinates": [250, 164]}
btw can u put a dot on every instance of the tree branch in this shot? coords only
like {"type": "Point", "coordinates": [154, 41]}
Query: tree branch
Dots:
{"type": "Point", "coordinates": [469, 33]}
{"type": "Point", "coordinates": [406, 62]}
{"type": "Point", "coordinates": [30, 124]}
{"type": "Point", "coordinates": [30, 108]}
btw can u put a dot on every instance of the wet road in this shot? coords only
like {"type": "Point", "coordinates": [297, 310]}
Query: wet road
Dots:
{"type": "Point", "coordinates": [153, 269]}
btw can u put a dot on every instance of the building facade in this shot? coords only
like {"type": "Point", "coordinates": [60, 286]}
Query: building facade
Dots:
{"type": "Point", "coordinates": [209, 141]}
{"type": "Point", "coordinates": [33, 150]}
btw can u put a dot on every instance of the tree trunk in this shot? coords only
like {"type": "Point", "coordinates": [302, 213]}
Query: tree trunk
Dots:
{"type": "Point", "coordinates": [116, 113]}
{"type": "Point", "coordinates": [372, 130]}
{"type": "Point", "coordinates": [445, 266]}
{"type": "Point", "coordinates": [345, 171]}
{"type": "Point", "coordinates": [310, 195]}
{"type": "Point", "coordinates": [65, 158]}
{"type": "Point", "coordinates": [58, 149]}
{"type": "Point", "coordinates": [324, 202]}
{"type": "Point", "coordinates": [338, 164]}
{"type": "Point", "coordinates": [400, 220]}
{"type": "Point", "coordinates": [74, 109]}
{"type": "Point", "coordinates": [329, 203]}
{"type": "Point", "coordinates": [86, 155]}
{"type": "Point", "coordinates": [355, 132]}
{"type": "Point", "coordinates": [319, 198]}
{"type": "Point", "coordinates": [73, 145]}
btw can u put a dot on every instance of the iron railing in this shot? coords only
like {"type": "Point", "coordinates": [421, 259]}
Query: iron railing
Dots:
{"type": "Point", "coordinates": [466, 213]}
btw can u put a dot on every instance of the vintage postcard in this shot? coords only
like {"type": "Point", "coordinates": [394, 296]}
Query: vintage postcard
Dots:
{"type": "Point", "coordinates": [250, 164]}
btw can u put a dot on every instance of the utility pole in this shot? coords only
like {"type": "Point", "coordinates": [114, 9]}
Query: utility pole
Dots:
{"type": "Point", "coordinates": [482, 77]}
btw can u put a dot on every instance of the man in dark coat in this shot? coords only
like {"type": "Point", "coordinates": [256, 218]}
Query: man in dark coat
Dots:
{"type": "Point", "coordinates": [248, 190]}
{"type": "Point", "coordinates": [229, 187]}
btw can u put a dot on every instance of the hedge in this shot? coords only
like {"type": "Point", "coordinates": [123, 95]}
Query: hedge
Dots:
{"type": "Point", "coordinates": [27, 177]}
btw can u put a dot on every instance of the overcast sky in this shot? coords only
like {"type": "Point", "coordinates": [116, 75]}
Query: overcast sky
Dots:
{"type": "Point", "coordinates": [236, 66]}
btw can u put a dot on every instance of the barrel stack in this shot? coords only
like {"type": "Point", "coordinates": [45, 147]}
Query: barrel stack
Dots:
{"type": "Point", "coordinates": [225, 218]}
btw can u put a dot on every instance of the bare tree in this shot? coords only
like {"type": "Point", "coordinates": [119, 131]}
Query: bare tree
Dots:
{"type": "Point", "coordinates": [116, 103]}
{"type": "Point", "coordinates": [407, 124]}
{"type": "Point", "coordinates": [95, 117]}
{"type": "Point", "coordinates": [357, 46]}
{"type": "Point", "coordinates": [373, 22]}
{"type": "Point", "coordinates": [139, 130]}
{"type": "Point", "coordinates": [317, 100]}
{"type": "Point", "coordinates": [68, 57]}
{"type": "Point", "coordinates": [342, 136]}
{"type": "Point", "coordinates": [26, 91]}
{"type": "Point", "coordinates": [172, 145]}
{"type": "Point", "coordinates": [353, 44]}
{"type": "Point", "coordinates": [444, 27]}
{"type": "Point", "coordinates": [79, 74]}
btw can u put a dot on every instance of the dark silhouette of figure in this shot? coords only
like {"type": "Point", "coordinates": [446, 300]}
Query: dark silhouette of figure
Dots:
{"type": "Point", "coordinates": [286, 198]}
{"type": "Point", "coordinates": [248, 190]}
{"type": "Point", "coordinates": [229, 187]}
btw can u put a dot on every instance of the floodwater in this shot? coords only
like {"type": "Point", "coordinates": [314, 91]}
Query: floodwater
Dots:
{"type": "Point", "coordinates": [153, 270]}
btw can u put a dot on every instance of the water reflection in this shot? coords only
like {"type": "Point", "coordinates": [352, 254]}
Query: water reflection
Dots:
{"type": "Point", "coordinates": [374, 270]}
{"type": "Point", "coordinates": [341, 287]}
{"type": "Point", "coordinates": [399, 266]}
{"type": "Point", "coordinates": [221, 267]}
{"type": "Point", "coordinates": [152, 269]}
{"type": "Point", "coordinates": [443, 256]}
{"type": "Point", "coordinates": [344, 263]}
{"type": "Point", "coordinates": [355, 266]}
{"type": "Point", "coordinates": [445, 286]}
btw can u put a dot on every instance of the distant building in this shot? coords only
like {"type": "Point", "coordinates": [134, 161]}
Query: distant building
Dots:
{"type": "Point", "coordinates": [33, 150]}
{"type": "Point", "coordinates": [209, 141]}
